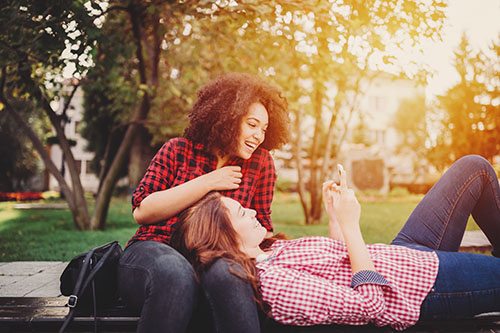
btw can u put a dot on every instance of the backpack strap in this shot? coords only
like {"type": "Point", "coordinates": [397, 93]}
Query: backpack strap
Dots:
{"type": "Point", "coordinates": [81, 285]}
{"type": "Point", "coordinates": [73, 299]}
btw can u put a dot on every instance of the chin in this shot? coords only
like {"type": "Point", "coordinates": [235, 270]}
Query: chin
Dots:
{"type": "Point", "coordinates": [245, 155]}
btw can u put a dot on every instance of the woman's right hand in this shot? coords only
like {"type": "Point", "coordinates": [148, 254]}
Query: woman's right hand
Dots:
{"type": "Point", "coordinates": [345, 205]}
{"type": "Point", "coordinates": [225, 178]}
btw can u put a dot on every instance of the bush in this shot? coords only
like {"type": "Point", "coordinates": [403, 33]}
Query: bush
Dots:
{"type": "Point", "coordinates": [285, 185]}
{"type": "Point", "coordinates": [398, 191]}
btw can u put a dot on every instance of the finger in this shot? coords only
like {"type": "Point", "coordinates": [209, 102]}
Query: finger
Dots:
{"type": "Point", "coordinates": [327, 185]}
{"type": "Point", "coordinates": [238, 174]}
{"type": "Point", "coordinates": [335, 188]}
{"type": "Point", "coordinates": [343, 177]}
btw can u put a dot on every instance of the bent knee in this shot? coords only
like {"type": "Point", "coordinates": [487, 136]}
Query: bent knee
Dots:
{"type": "Point", "coordinates": [476, 162]}
{"type": "Point", "coordinates": [171, 268]}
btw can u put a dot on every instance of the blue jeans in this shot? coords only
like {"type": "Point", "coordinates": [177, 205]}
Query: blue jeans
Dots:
{"type": "Point", "coordinates": [467, 284]}
{"type": "Point", "coordinates": [159, 284]}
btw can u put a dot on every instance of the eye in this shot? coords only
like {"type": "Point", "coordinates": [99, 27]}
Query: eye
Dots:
{"type": "Point", "coordinates": [252, 125]}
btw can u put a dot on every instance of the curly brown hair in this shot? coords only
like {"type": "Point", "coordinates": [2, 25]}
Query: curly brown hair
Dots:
{"type": "Point", "coordinates": [216, 116]}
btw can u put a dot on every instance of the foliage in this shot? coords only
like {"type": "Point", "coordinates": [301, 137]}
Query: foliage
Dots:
{"type": "Point", "coordinates": [412, 124]}
{"type": "Point", "coordinates": [471, 121]}
{"type": "Point", "coordinates": [33, 36]}
{"type": "Point", "coordinates": [19, 160]}
{"type": "Point", "coordinates": [285, 185]}
{"type": "Point", "coordinates": [111, 91]}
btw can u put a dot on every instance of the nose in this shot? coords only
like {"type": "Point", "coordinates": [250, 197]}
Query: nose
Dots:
{"type": "Point", "coordinates": [259, 135]}
{"type": "Point", "coordinates": [252, 212]}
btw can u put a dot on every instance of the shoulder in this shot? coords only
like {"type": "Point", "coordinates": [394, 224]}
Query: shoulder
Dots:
{"type": "Point", "coordinates": [177, 145]}
{"type": "Point", "coordinates": [263, 156]}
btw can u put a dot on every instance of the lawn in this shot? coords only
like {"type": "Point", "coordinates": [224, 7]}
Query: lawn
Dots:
{"type": "Point", "coordinates": [40, 234]}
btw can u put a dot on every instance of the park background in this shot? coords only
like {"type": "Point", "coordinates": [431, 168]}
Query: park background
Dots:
{"type": "Point", "coordinates": [89, 90]}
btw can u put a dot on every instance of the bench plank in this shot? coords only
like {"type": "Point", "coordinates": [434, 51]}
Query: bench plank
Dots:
{"type": "Point", "coordinates": [45, 314]}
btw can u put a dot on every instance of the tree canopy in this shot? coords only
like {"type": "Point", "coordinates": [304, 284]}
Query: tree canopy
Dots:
{"type": "Point", "coordinates": [471, 108]}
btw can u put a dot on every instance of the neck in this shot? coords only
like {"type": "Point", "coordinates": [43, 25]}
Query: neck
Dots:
{"type": "Point", "coordinates": [221, 160]}
{"type": "Point", "coordinates": [253, 252]}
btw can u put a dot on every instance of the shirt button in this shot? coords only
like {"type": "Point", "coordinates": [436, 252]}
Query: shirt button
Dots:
{"type": "Point", "coordinates": [141, 188]}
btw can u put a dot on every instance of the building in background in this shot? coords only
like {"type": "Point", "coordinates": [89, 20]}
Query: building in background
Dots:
{"type": "Point", "coordinates": [370, 148]}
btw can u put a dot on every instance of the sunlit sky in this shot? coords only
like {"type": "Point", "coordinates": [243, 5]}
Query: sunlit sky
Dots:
{"type": "Point", "coordinates": [480, 19]}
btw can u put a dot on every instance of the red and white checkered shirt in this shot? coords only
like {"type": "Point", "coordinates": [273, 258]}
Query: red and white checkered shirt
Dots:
{"type": "Point", "coordinates": [307, 281]}
{"type": "Point", "coordinates": [181, 160]}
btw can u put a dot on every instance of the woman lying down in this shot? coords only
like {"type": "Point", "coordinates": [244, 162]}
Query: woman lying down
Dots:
{"type": "Point", "coordinates": [321, 280]}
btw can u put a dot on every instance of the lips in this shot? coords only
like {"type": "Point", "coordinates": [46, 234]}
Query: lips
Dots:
{"type": "Point", "coordinates": [251, 145]}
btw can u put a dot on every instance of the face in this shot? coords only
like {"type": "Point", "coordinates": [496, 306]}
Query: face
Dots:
{"type": "Point", "coordinates": [253, 129]}
{"type": "Point", "coordinates": [249, 230]}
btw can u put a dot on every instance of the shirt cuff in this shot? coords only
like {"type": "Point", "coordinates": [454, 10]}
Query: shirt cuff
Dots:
{"type": "Point", "coordinates": [368, 277]}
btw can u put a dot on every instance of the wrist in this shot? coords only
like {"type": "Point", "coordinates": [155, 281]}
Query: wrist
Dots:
{"type": "Point", "coordinates": [205, 183]}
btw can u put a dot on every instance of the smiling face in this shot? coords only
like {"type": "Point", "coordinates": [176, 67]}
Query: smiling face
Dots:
{"type": "Point", "coordinates": [250, 231]}
{"type": "Point", "coordinates": [253, 129]}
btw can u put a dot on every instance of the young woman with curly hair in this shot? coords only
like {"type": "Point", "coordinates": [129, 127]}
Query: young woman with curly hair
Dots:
{"type": "Point", "coordinates": [340, 279]}
{"type": "Point", "coordinates": [235, 121]}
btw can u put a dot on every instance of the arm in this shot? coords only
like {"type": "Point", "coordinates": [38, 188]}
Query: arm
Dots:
{"type": "Point", "coordinates": [345, 207]}
{"type": "Point", "coordinates": [164, 204]}
{"type": "Point", "coordinates": [301, 298]}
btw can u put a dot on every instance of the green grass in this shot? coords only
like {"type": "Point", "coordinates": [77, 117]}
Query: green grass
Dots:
{"type": "Point", "coordinates": [41, 234]}
{"type": "Point", "coordinates": [50, 234]}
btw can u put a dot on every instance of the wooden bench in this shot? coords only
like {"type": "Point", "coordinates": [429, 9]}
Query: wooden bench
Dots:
{"type": "Point", "coordinates": [46, 314]}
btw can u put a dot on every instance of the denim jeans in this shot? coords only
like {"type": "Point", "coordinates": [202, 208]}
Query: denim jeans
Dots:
{"type": "Point", "coordinates": [467, 284]}
{"type": "Point", "coordinates": [159, 284]}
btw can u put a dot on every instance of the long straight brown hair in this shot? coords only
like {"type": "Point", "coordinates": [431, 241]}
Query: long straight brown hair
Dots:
{"type": "Point", "coordinates": [204, 234]}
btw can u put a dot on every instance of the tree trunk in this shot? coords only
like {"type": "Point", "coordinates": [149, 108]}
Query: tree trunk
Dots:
{"type": "Point", "coordinates": [140, 156]}
{"type": "Point", "coordinates": [104, 196]}
{"type": "Point", "coordinates": [328, 147]}
{"type": "Point", "coordinates": [298, 160]}
{"type": "Point", "coordinates": [77, 188]}
{"type": "Point", "coordinates": [314, 188]}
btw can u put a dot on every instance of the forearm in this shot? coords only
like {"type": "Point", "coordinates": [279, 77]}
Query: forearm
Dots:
{"type": "Point", "coordinates": [356, 247]}
{"type": "Point", "coordinates": [335, 231]}
{"type": "Point", "coordinates": [164, 204]}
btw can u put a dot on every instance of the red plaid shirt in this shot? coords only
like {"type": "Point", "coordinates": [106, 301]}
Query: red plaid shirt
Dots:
{"type": "Point", "coordinates": [307, 281]}
{"type": "Point", "coordinates": [180, 160]}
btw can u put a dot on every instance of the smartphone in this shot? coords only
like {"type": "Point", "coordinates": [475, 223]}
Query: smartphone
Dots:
{"type": "Point", "coordinates": [340, 168]}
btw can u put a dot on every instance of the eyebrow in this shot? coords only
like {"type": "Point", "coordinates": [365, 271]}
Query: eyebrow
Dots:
{"type": "Point", "coordinates": [255, 118]}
